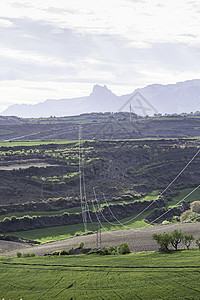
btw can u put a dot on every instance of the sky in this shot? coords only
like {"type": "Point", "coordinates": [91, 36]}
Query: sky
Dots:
{"type": "Point", "coordinates": [53, 49]}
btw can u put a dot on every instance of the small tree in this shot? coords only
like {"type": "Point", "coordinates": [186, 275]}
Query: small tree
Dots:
{"type": "Point", "coordinates": [176, 238]}
{"type": "Point", "coordinates": [187, 240]}
{"type": "Point", "coordinates": [123, 248]}
{"type": "Point", "coordinates": [19, 254]}
{"type": "Point", "coordinates": [197, 242]}
{"type": "Point", "coordinates": [81, 245]}
{"type": "Point", "coordinates": [163, 240]}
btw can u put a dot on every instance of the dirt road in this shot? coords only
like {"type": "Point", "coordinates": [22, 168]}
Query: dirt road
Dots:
{"type": "Point", "coordinates": [138, 240]}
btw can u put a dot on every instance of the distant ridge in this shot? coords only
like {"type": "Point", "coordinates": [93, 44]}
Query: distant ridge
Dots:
{"type": "Point", "coordinates": [172, 98]}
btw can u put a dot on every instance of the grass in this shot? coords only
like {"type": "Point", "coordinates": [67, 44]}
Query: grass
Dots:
{"type": "Point", "coordinates": [5, 131]}
{"type": "Point", "coordinates": [41, 213]}
{"type": "Point", "coordinates": [193, 197]}
{"type": "Point", "coordinates": [151, 196]}
{"type": "Point", "coordinates": [35, 143]}
{"type": "Point", "coordinates": [134, 276]}
{"type": "Point", "coordinates": [63, 232]}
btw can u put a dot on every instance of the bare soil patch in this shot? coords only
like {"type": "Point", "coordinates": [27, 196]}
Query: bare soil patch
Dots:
{"type": "Point", "coordinates": [138, 239]}
{"type": "Point", "coordinates": [24, 164]}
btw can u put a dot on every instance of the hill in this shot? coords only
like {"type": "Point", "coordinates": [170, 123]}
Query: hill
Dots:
{"type": "Point", "coordinates": [104, 126]}
{"type": "Point", "coordinates": [173, 98]}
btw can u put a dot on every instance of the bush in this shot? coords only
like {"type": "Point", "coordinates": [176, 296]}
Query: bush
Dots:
{"type": "Point", "coordinates": [165, 222]}
{"type": "Point", "coordinates": [55, 253]}
{"type": "Point", "coordinates": [112, 249]}
{"type": "Point", "coordinates": [123, 248]}
{"type": "Point", "coordinates": [29, 255]}
{"type": "Point", "coordinates": [81, 245]}
{"type": "Point", "coordinates": [19, 254]}
{"type": "Point", "coordinates": [175, 219]}
{"type": "Point", "coordinates": [185, 215]}
{"type": "Point", "coordinates": [197, 242]}
{"type": "Point", "coordinates": [195, 206]}
{"type": "Point", "coordinates": [63, 252]}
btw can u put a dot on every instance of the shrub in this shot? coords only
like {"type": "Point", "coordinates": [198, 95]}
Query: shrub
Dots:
{"type": "Point", "coordinates": [195, 206]}
{"type": "Point", "coordinates": [85, 250]}
{"type": "Point", "coordinates": [185, 215]}
{"type": "Point", "coordinates": [175, 219]}
{"type": "Point", "coordinates": [64, 252]}
{"type": "Point", "coordinates": [29, 255]}
{"type": "Point", "coordinates": [187, 240]}
{"type": "Point", "coordinates": [163, 240]}
{"type": "Point", "coordinates": [123, 248]}
{"type": "Point", "coordinates": [165, 222]}
{"type": "Point", "coordinates": [197, 242]}
{"type": "Point", "coordinates": [19, 254]}
{"type": "Point", "coordinates": [112, 249]}
{"type": "Point", "coordinates": [90, 232]}
{"type": "Point", "coordinates": [81, 245]}
{"type": "Point", "coordinates": [55, 253]}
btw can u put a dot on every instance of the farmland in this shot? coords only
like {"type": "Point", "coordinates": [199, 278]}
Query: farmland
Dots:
{"type": "Point", "coordinates": [40, 202]}
{"type": "Point", "coordinates": [42, 193]}
{"type": "Point", "coordinates": [134, 276]}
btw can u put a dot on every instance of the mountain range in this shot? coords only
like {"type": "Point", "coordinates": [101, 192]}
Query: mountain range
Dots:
{"type": "Point", "coordinates": [182, 97]}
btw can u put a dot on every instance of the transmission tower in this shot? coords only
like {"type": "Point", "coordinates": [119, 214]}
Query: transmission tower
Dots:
{"type": "Point", "coordinates": [81, 181]}
{"type": "Point", "coordinates": [98, 213]}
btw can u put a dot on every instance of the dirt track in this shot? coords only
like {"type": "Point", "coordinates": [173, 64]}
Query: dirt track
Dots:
{"type": "Point", "coordinates": [138, 240]}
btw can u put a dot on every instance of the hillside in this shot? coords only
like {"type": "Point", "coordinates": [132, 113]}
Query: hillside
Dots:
{"type": "Point", "coordinates": [106, 126]}
{"type": "Point", "coordinates": [40, 181]}
{"type": "Point", "coordinates": [183, 97]}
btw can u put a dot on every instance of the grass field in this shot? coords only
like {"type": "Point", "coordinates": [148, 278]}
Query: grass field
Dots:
{"type": "Point", "coordinates": [134, 276]}
{"type": "Point", "coordinates": [41, 213]}
{"type": "Point", "coordinates": [193, 197]}
{"type": "Point", "coordinates": [35, 143]}
{"type": "Point", "coordinates": [64, 232]}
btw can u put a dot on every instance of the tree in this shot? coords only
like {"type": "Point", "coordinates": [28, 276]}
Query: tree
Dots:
{"type": "Point", "coordinates": [163, 240]}
{"type": "Point", "coordinates": [198, 242]}
{"type": "Point", "coordinates": [176, 238]}
{"type": "Point", "coordinates": [187, 240]}
{"type": "Point", "coordinates": [123, 248]}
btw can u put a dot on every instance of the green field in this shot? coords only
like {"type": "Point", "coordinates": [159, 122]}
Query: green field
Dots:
{"type": "Point", "coordinates": [35, 143]}
{"type": "Point", "coordinates": [134, 276]}
{"type": "Point", "coordinates": [193, 197]}
{"type": "Point", "coordinates": [64, 232]}
{"type": "Point", "coordinates": [41, 213]}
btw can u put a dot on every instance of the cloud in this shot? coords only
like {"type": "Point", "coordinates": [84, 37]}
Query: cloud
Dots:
{"type": "Point", "coordinates": [5, 23]}
{"type": "Point", "coordinates": [122, 43]}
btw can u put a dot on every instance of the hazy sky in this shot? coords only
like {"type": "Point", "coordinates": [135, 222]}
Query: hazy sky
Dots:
{"type": "Point", "coordinates": [61, 48]}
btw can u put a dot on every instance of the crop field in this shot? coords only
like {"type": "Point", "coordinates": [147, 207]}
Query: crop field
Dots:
{"type": "Point", "coordinates": [35, 143]}
{"type": "Point", "coordinates": [134, 276]}
{"type": "Point", "coordinates": [64, 232]}
{"type": "Point", "coordinates": [193, 197]}
{"type": "Point", "coordinates": [41, 213]}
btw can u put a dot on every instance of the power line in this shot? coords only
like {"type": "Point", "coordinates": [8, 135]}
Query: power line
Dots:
{"type": "Point", "coordinates": [179, 174]}
{"type": "Point", "coordinates": [149, 224]}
